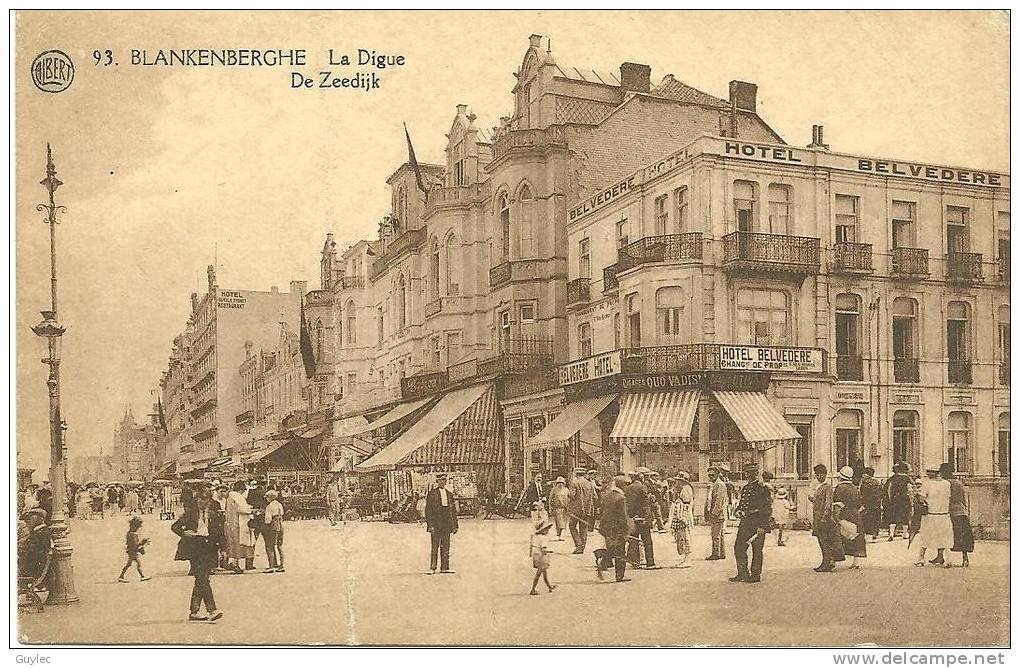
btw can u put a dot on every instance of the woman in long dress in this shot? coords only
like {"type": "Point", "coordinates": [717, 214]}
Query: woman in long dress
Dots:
{"type": "Point", "coordinates": [848, 499]}
{"type": "Point", "coordinates": [897, 501]}
{"type": "Point", "coordinates": [959, 515]}
{"type": "Point", "coordinates": [240, 543]}
{"type": "Point", "coordinates": [936, 527]}
{"type": "Point", "coordinates": [681, 518]}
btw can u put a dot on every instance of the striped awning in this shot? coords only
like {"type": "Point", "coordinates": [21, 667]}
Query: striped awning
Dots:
{"type": "Point", "coordinates": [758, 420]}
{"type": "Point", "coordinates": [430, 431]}
{"type": "Point", "coordinates": [570, 421]}
{"type": "Point", "coordinates": [398, 412]}
{"type": "Point", "coordinates": [656, 417]}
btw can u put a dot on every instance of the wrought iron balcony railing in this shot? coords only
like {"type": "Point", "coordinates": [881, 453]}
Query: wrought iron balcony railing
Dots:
{"type": "Point", "coordinates": [683, 358]}
{"type": "Point", "coordinates": [963, 267]}
{"type": "Point", "coordinates": [349, 282]}
{"type": "Point", "coordinates": [910, 262]}
{"type": "Point", "coordinates": [849, 367]}
{"type": "Point", "coordinates": [772, 253]}
{"type": "Point", "coordinates": [578, 291]}
{"type": "Point", "coordinates": [960, 372]}
{"type": "Point", "coordinates": [850, 258]}
{"type": "Point", "coordinates": [1003, 270]}
{"type": "Point", "coordinates": [409, 240]}
{"type": "Point", "coordinates": [1004, 372]}
{"type": "Point", "coordinates": [665, 248]}
{"type": "Point", "coordinates": [519, 354]}
{"type": "Point", "coordinates": [609, 280]}
{"type": "Point", "coordinates": [906, 370]}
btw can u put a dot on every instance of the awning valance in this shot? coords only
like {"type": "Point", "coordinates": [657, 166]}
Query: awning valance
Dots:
{"type": "Point", "coordinates": [758, 420]}
{"type": "Point", "coordinates": [573, 418]}
{"type": "Point", "coordinates": [651, 417]}
{"type": "Point", "coordinates": [422, 432]}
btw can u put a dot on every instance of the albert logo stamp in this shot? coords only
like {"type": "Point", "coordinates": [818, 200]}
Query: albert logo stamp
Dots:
{"type": "Point", "coordinates": [52, 71]}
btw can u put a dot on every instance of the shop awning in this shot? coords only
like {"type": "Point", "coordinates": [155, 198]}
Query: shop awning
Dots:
{"type": "Point", "coordinates": [396, 413]}
{"type": "Point", "coordinates": [309, 432]}
{"type": "Point", "coordinates": [351, 427]}
{"type": "Point", "coordinates": [222, 461]}
{"type": "Point", "coordinates": [758, 420]}
{"type": "Point", "coordinates": [167, 469]}
{"type": "Point", "coordinates": [446, 411]}
{"type": "Point", "coordinates": [573, 418]}
{"type": "Point", "coordinates": [262, 454]}
{"type": "Point", "coordinates": [655, 417]}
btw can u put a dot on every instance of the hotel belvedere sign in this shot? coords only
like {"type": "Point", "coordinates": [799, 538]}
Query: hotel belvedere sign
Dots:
{"type": "Point", "coordinates": [755, 358]}
{"type": "Point", "coordinates": [590, 368]}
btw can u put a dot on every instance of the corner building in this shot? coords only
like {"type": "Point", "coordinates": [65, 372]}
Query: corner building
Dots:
{"type": "Point", "coordinates": [742, 300]}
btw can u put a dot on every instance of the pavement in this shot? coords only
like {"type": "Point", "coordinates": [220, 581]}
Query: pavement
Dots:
{"type": "Point", "coordinates": [365, 583]}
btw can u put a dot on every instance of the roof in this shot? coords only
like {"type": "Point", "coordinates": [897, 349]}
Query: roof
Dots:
{"type": "Point", "coordinates": [591, 76]}
{"type": "Point", "coordinates": [674, 89]}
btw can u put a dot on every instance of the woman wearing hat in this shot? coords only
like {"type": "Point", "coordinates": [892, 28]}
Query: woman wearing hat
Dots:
{"type": "Point", "coordinates": [898, 507]}
{"type": "Point", "coordinates": [846, 502]}
{"type": "Point", "coordinates": [681, 517]}
{"type": "Point", "coordinates": [558, 505]}
{"type": "Point", "coordinates": [936, 527]}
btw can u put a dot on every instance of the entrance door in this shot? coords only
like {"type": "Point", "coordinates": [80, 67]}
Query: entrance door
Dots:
{"type": "Point", "coordinates": [803, 451]}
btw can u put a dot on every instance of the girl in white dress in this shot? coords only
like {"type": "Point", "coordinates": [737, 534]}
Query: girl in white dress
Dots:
{"type": "Point", "coordinates": [936, 526]}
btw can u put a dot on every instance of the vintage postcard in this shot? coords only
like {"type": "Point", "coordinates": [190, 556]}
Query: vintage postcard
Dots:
{"type": "Point", "coordinates": [513, 328]}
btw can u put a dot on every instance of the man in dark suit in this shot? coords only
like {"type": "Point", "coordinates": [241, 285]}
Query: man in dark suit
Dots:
{"type": "Point", "coordinates": [441, 522]}
{"type": "Point", "coordinates": [615, 526]}
{"type": "Point", "coordinates": [639, 507]}
{"type": "Point", "coordinates": [535, 492]}
{"type": "Point", "coordinates": [201, 532]}
{"type": "Point", "coordinates": [256, 498]}
{"type": "Point", "coordinates": [755, 514]}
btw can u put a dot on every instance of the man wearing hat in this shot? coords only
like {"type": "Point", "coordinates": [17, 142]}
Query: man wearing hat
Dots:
{"type": "Point", "coordinates": [615, 526]}
{"type": "Point", "coordinates": [715, 512]}
{"type": "Point", "coordinates": [558, 496]}
{"type": "Point", "coordinates": [640, 511]}
{"type": "Point", "coordinates": [755, 514]}
{"type": "Point", "coordinates": [580, 508]}
{"type": "Point", "coordinates": [33, 544]}
{"type": "Point", "coordinates": [441, 522]}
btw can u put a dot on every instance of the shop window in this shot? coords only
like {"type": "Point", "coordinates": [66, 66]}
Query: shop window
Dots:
{"type": "Point", "coordinates": [906, 446]}
{"type": "Point", "coordinates": [669, 312]}
{"type": "Point", "coordinates": [763, 317]}
{"type": "Point", "coordinates": [680, 207]}
{"type": "Point", "coordinates": [903, 229]}
{"type": "Point", "coordinates": [584, 343]}
{"type": "Point", "coordinates": [958, 451]}
{"type": "Point", "coordinates": [1002, 444]}
{"type": "Point", "coordinates": [849, 365]}
{"type": "Point", "coordinates": [957, 237]}
{"type": "Point", "coordinates": [661, 216]}
{"type": "Point", "coordinates": [727, 444]}
{"type": "Point", "coordinates": [780, 208]}
{"type": "Point", "coordinates": [634, 320]}
{"type": "Point", "coordinates": [515, 450]}
{"type": "Point", "coordinates": [849, 438]}
{"type": "Point", "coordinates": [503, 214]}
{"type": "Point", "coordinates": [584, 258]}
{"type": "Point", "coordinates": [745, 204]}
{"type": "Point", "coordinates": [904, 323]}
{"type": "Point", "coordinates": [847, 218]}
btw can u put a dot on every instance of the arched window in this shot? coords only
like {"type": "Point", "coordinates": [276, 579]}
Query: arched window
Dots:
{"type": "Point", "coordinates": [503, 218]}
{"type": "Point", "coordinates": [434, 270]}
{"type": "Point", "coordinates": [669, 313]}
{"type": "Point", "coordinates": [848, 338]}
{"type": "Point", "coordinates": [958, 452]}
{"type": "Point", "coordinates": [958, 342]}
{"type": "Point", "coordinates": [320, 340]}
{"type": "Point", "coordinates": [452, 261]}
{"type": "Point", "coordinates": [849, 438]}
{"type": "Point", "coordinates": [584, 344]}
{"type": "Point", "coordinates": [351, 313]}
{"type": "Point", "coordinates": [1002, 444]}
{"type": "Point", "coordinates": [401, 302]}
{"type": "Point", "coordinates": [526, 247]}
{"type": "Point", "coordinates": [906, 442]}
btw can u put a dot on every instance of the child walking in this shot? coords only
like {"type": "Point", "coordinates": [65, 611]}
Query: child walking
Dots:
{"type": "Point", "coordinates": [540, 555]}
{"type": "Point", "coordinates": [782, 504]}
{"type": "Point", "coordinates": [135, 546]}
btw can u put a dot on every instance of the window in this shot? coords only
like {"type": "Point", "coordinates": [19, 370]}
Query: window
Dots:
{"type": "Point", "coordinates": [957, 239]}
{"type": "Point", "coordinates": [958, 341]}
{"type": "Point", "coordinates": [1002, 444]}
{"type": "Point", "coordinates": [503, 215]}
{"type": "Point", "coordinates": [904, 323]}
{"type": "Point", "coordinates": [745, 197]}
{"type": "Point", "coordinates": [352, 381]}
{"type": "Point", "coordinates": [434, 270]}
{"type": "Point", "coordinates": [584, 258]}
{"type": "Point", "coordinates": [452, 282]}
{"type": "Point", "coordinates": [352, 322]}
{"type": "Point", "coordinates": [437, 353]}
{"type": "Point", "coordinates": [780, 208]}
{"type": "Point", "coordinates": [905, 439]}
{"type": "Point", "coordinates": [320, 340]}
{"type": "Point", "coordinates": [634, 320]}
{"type": "Point", "coordinates": [680, 207]}
{"type": "Point", "coordinates": [622, 234]}
{"type": "Point", "coordinates": [617, 334]}
{"type": "Point", "coordinates": [528, 313]}
{"type": "Point", "coordinates": [526, 222]}
{"type": "Point", "coordinates": [763, 317]}
{"type": "Point", "coordinates": [661, 216]}
{"type": "Point", "coordinates": [847, 218]}
{"type": "Point", "coordinates": [903, 224]}
{"type": "Point", "coordinates": [381, 323]}
{"type": "Point", "coordinates": [1003, 347]}
{"type": "Point", "coordinates": [459, 165]}
{"type": "Point", "coordinates": [505, 324]}
{"type": "Point", "coordinates": [848, 334]}
{"type": "Point", "coordinates": [401, 303]}
{"type": "Point", "coordinates": [401, 222]}
{"type": "Point", "coordinates": [584, 340]}
{"type": "Point", "coordinates": [453, 352]}
{"type": "Point", "coordinates": [958, 443]}
{"type": "Point", "coordinates": [848, 438]}
{"type": "Point", "coordinates": [669, 311]}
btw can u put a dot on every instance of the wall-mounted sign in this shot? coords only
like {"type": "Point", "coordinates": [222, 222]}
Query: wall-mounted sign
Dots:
{"type": "Point", "coordinates": [755, 358]}
{"type": "Point", "coordinates": [230, 299]}
{"type": "Point", "coordinates": [602, 198]}
{"type": "Point", "coordinates": [590, 368]}
{"type": "Point", "coordinates": [759, 152]}
{"type": "Point", "coordinates": [536, 423]}
{"type": "Point", "coordinates": [662, 381]}
{"type": "Point", "coordinates": [755, 381]}
{"type": "Point", "coordinates": [906, 399]}
{"type": "Point", "coordinates": [852, 396]}
{"type": "Point", "coordinates": [423, 384]}
{"type": "Point", "coordinates": [965, 398]}
{"type": "Point", "coordinates": [928, 172]}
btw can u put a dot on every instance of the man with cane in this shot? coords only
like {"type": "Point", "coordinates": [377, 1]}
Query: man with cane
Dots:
{"type": "Point", "coordinates": [580, 508]}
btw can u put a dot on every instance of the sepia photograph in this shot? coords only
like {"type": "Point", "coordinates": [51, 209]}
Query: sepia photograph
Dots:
{"type": "Point", "coordinates": [518, 328]}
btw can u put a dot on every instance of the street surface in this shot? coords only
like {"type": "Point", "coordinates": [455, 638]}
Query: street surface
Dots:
{"type": "Point", "coordinates": [365, 584]}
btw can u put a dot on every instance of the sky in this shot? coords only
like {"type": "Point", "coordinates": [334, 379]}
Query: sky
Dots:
{"type": "Point", "coordinates": [169, 169]}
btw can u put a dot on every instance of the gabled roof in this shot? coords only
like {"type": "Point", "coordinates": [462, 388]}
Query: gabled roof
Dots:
{"type": "Point", "coordinates": [674, 89]}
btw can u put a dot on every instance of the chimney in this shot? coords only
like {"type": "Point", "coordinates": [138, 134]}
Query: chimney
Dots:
{"type": "Point", "coordinates": [536, 41]}
{"type": "Point", "coordinates": [329, 239]}
{"type": "Point", "coordinates": [299, 287]}
{"type": "Point", "coordinates": [635, 77]}
{"type": "Point", "coordinates": [462, 110]}
{"type": "Point", "coordinates": [817, 138]}
{"type": "Point", "coordinates": [744, 95]}
{"type": "Point", "coordinates": [274, 289]}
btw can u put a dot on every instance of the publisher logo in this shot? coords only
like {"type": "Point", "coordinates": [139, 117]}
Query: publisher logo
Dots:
{"type": "Point", "coordinates": [52, 71]}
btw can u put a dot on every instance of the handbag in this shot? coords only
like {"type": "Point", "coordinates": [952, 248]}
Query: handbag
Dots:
{"type": "Point", "coordinates": [848, 530]}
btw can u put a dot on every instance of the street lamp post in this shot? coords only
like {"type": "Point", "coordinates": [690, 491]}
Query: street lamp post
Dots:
{"type": "Point", "coordinates": [61, 588]}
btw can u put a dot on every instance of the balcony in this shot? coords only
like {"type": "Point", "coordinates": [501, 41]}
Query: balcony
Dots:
{"type": "Point", "coordinates": [960, 372]}
{"type": "Point", "coordinates": [454, 195]}
{"type": "Point", "coordinates": [1003, 270]}
{"type": "Point", "coordinates": [849, 367]}
{"type": "Point", "coordinates": [433, 307]}
{"type": "Point", "coordinates": [771, 253]}
{"type": "Point", "coordinates": [1004, 373]}
{"type": "Point", "coordinates": [609, 280]}
{"type": "Point", "coordinates": [670, 359]}
{"type": "Point", "coordinates": [906, 370]}
{"type": "Point", "coordinates": [519, 355]}
{"type": "Point", "coordinates": [852, 258]}
{"type": "Point", "coordinates": [408, 241]}
{"type": "Point", "coordinates": [351, 282]}
{"type": "Point", "coordinates": [318, 298]}
{"type": "Point", "coordinates": [578, 291]}
{"type": "Point", "coordinates": [513, 271]}
{"type": "Point", "coordinates": [665, 248]}
{"type": "Point", "coordinates": [527, 140]}
{"type": "Point", "coordinates": [910, 262]}
{"type": "Point", "coordinates": [963, 267]}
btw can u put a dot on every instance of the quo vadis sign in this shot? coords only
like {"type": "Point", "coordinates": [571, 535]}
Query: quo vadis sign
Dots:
{"type": "Point", "coordinates": [754, 358]}
{"type": "Point", "coordinates": [590, 368]}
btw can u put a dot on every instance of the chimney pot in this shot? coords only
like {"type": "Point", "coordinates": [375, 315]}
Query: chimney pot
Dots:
{"type": "Point", "coordinates": [744, 95]}
{"type": "Point", "coordinates": [462, 109]}
{"type": "Point", "coordinates": [536, 41]}
{"type": "Point", "coordinates": [635, 77]}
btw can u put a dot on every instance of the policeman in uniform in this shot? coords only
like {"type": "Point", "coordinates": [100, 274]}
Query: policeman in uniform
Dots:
{"type": "Point", "coordinates": [755, 514]}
